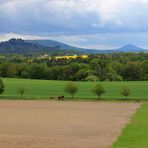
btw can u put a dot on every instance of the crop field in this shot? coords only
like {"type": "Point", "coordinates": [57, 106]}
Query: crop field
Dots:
{"type": "Point", "coordinates": [43, 89]}
{"type": "Point", "coordinates": [67, 124]}
{"type": "Point", "coordinates": [73, 123]}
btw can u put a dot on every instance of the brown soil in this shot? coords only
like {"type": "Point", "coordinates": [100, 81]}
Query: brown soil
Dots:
{"type": "Point", "coordinates": [43, 124]}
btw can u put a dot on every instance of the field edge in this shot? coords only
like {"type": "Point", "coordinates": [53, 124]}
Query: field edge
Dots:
{"type": "Point", "coordinates": [134, 134]}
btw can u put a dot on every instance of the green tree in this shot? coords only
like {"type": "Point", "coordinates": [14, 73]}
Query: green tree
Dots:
{"type": "Point", "coordinates": [132, 71]}
{"type": "Point", "coordinates": [8, 69]}
{"type": "Point", "coordinates": [98, 90]}
{"type": "Point", "coordinates": [21, 89]}
{"type": "Point", "coordinates": [2, 86]}
{"type": "Point", "coordinates": [91, 77]}
{"type": "Point", "coordinates": [144, 66]}
{"type": "Point", "coordinates": [39, 71]}
{"type": "Point", "coordinates": [81, 74]}
{"type": "Point", "coordinates": [125, 92]}
{"type": "Point", "coordinates": [24, 74]}
{"type": "Point", "coordinates": [71, 88]}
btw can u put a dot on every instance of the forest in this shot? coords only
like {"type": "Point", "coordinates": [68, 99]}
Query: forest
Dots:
{"type": "Point", "coordinates": [97, 67]}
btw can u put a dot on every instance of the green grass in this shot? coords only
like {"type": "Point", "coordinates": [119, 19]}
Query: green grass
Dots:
{"type": "Point", "coordinates": [44, 88]}
{"type": "Point", "coordinates": [135, 135]}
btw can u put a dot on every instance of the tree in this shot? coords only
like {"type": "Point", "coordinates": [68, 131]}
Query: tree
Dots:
{"type": "Point", "coordinates": [71, 88]}
{"type": "Point", "coordinates": [24, 74]}
{"type": "Point", "coordinates": [125, 92]}
{"type": "Point", "coordinates": [81, 74]}
{"type": "Point", "coordinates": [2, 87]}
{"type": "Point", "coordinates": [8, 69]}
{"type": "Point", "coordinates": [91, 77]}
{"type": "Point", "coordinates": [132, 71]}
{"type": "Point", "coordinates": [39, 71]}
{"type": "Point", "coordinates": [98, 90]}
{"type": "Point", "coordinates": [21, 89]}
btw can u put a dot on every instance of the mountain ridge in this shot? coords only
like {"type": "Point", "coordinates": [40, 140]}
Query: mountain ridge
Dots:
{"type": "Point", "coordinates": [54, 47]}
{"type": "Point", "coordinates": [20, 46]}
{"type": "Point", "coordinates": [130, 48]}
{"type": "Point", "coordinates": [125, 48]}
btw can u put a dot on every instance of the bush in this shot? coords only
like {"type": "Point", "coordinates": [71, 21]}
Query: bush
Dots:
{"type": "Point", "coordinates": [71, 88]}
{"type": "Point", "coordinates": [98, 90]}
{"type": "Point", "coordinates": [21, 89]}
{"type": "Point", "coordinates": [91, 78]}
{"type": "Point", "coordinates": [2, 87]}
{"type": "Point", "coordinates": [125, 92]}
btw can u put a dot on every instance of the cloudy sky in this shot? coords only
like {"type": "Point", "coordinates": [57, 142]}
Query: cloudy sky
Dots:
{"type": "Point", "coordinates": [99, 24]}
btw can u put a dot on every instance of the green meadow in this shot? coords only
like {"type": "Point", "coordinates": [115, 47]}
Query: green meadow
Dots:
{"type": "Point", "coordinates": [135, 134]}
{"type": "Point", "coordinates": [43, 89]}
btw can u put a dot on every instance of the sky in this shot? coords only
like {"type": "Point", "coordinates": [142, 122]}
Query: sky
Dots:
{"type": "Point", "coordinates": [94, 24]}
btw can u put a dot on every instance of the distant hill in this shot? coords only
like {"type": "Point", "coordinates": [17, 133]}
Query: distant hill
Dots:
{"type": "Point", "coordinates": [19, 46]}
{"type": "Point", "coordinates": [130, 48]}
{"type": "Point", "coordinates": [52, 43]}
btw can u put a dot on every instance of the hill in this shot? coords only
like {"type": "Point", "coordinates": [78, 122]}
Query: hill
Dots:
{"type": "Point", "coordinates": [130, 48]}
{"type": "Point", "coordinates": [52, 43]}
{"type": "Point", "coordinates": [19, 46]}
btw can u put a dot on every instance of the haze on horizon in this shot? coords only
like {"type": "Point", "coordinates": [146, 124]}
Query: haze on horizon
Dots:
{"type": "Point", "coordinates": [98, 24]}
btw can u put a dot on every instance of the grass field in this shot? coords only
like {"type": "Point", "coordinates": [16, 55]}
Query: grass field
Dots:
{"type": "Point", "coordinates": [135, 135]}
{"type": "Point", "coordinates": [40, 89]}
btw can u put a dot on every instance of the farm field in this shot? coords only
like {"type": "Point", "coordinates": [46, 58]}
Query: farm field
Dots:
{"type": "Point", "coordinates": [43, 89]}
{"type": "Point", "coordinates": [135, 135]}
{"type": "Point", "coordinates": [53, 124]}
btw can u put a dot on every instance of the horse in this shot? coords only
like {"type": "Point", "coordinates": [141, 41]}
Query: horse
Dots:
{"type": "Point", "coordinates": [61, 98]}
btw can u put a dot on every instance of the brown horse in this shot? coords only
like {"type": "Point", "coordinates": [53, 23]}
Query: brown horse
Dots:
{"type": "Point", "coordinates": [61, 98]}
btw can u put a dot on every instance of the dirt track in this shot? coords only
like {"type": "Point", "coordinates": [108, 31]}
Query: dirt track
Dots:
{"type": "Point", "coordinates": [43, 124]}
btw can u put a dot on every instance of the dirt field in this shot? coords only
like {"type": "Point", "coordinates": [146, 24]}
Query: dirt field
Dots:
{"type": "Point", "coordinates": [43, 124]}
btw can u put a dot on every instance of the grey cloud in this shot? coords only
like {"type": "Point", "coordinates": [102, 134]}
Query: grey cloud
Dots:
{"type": "Point", "coordinates": [76, 18]}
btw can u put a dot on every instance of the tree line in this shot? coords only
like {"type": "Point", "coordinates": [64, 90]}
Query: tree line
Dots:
{"type": "Point", "coordinates": [99, 67]}
{"type": "Point", "coordinates": [70, 88]}
{"type": "Point", "coordinates": [98, 90]}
